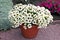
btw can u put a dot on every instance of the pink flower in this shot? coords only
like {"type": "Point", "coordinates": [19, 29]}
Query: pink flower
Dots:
{"type": "Point", "coordinates": [53, 6]}
{"type": "Point", "coordinates": [45, 4]}
{"type": "Point", "coordinates": [58, 10]}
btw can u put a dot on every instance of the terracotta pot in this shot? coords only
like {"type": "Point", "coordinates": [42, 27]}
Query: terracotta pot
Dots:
{"type": "Point", "coordinates": [29, 32]}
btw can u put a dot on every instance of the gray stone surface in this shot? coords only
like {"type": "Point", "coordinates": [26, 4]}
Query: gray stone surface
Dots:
{"type": "Point", "coordinates": [50, 33]}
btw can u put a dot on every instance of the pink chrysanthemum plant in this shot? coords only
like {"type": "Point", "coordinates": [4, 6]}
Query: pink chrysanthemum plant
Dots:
{"type": "Point", "coordinates": [52, 5]}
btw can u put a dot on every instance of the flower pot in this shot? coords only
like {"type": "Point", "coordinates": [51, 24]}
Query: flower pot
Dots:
{"type": "Point", "coordinates": [29, 32]}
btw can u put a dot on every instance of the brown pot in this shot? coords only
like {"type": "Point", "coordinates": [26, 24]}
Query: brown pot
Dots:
{"type": "Point", "coordinates": [29, 32]}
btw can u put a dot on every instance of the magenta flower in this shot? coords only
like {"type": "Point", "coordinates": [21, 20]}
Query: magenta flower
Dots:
{"type": "Point", "coordinates": [46, 4]}
{"type": "Point", "coordinates": [53, 6]}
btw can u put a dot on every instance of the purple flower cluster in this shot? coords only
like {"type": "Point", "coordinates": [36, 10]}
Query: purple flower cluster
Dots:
{"type": "Point", "coordinates": [53, 6]}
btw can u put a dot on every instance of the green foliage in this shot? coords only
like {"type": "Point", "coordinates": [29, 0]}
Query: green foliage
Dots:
{"type": "Point", "coordinates": [5, 6]}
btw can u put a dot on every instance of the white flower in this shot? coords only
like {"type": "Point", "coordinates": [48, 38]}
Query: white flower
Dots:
{"type": "Point", "coordinates": [29, 14]}
{"type": "Point", "coordinates": [43, 8]}
{"type": "Point", "coordinates": [28, 20]}
{"type": "Point", "coordinates": [18, 5]}
{"type": "Point", "coordinates": [24, 27]}
{"type": "Point", "coordinates": [15, 26]}
{"type": "Point", "coordinates": [34, 22]}
{"type": "Point", "coordinates": [29, 25]}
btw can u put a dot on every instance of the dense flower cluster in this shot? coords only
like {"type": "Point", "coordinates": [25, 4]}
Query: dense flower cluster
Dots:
{"type": "Point", "coordinates": [29, 15]}
{"type": "Point", "coordinates": [52, 5]}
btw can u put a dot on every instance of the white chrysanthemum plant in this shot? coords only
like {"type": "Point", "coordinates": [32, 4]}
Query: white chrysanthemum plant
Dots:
{"type": "Point", "coordinates": [30, 14]}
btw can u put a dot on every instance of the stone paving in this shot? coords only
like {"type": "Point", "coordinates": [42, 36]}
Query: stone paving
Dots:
{"type": "Point", "coordinates": [50, 33]}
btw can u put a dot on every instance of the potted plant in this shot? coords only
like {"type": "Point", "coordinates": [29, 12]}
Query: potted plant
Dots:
{"type": "Point", "coordinates": [29, 18]}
